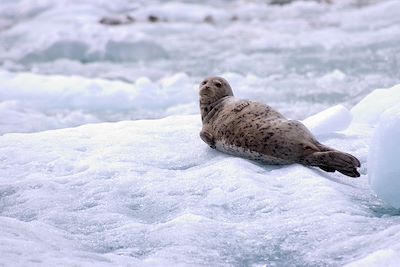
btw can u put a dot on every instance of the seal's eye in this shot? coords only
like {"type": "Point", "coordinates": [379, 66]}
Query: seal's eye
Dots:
{"type": "Point", "coordinates": [203, 82]}
{"type": "Point", "coordinates": [218, 84]}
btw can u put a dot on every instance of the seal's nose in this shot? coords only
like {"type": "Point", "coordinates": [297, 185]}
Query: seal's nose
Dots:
{"type": "Point", "coordinates": [203, 83]}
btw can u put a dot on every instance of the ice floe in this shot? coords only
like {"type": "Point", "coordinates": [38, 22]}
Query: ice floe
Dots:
{"type": "Point", "coordinates": [149, 192]}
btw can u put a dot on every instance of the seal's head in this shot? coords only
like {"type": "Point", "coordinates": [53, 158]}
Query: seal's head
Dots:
{"type": "Point", "coordinates": [214, 88]}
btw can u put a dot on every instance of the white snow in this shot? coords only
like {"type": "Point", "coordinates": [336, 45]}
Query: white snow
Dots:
{"type": "Point", "coordinates": [151, 192]}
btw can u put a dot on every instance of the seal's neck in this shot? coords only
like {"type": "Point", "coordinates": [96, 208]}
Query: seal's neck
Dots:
{"type": "Point", "coordinates": [209, 109]}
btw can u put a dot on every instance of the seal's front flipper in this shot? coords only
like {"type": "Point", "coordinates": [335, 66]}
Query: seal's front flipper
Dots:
{"type": "Point", "coordinates": [207, 138]}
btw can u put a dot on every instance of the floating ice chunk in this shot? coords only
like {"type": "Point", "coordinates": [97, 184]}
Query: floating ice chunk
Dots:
{"type": "Point", "coordinates": [333, 119]}
{"type": "Point", "coordinates": [383, 157]}
{"type": "Point", "coordinates": [373, 105]}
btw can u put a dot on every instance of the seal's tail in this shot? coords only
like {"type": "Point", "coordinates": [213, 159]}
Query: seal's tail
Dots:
{"type": "Point", "coordinates": [334, 160]}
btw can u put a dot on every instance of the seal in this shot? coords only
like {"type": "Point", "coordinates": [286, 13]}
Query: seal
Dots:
{"type": "Point", "coordinates": [256, 131]}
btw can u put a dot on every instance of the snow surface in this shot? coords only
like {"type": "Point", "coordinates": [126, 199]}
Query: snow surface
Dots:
{"type": "Point", "coordinates": [151, 193]}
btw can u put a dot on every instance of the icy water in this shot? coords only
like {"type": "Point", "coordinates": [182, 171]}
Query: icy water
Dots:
{"type": "Point", "coordinates": [299, 58]}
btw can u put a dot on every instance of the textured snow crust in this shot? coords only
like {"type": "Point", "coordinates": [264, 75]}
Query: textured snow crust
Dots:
{"type": "Point", "coordinates": [140, 193]}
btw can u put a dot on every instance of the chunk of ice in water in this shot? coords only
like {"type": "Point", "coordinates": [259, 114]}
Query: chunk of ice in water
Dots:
{"type": "Point", "coordinates": [383, 157]}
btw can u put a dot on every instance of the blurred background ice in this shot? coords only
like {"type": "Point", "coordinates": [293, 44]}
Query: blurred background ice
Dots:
{"type": "Point", "coordinates": [300, 57]}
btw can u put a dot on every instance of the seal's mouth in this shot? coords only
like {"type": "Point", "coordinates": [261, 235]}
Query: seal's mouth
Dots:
{"type": "Point", "coordinates": [206, 92]}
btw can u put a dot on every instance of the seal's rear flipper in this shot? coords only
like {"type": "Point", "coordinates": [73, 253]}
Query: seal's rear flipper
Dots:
{"type": "Point", "coordinates": [327, 169]}
{"type": "Point", "coordinates": [353, 173]}
{"type": "Point", "coordinates": [331, 161]}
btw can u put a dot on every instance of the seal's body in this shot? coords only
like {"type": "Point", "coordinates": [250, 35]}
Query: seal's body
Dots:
{"type": "Point", "coordinates": [256, 131]}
